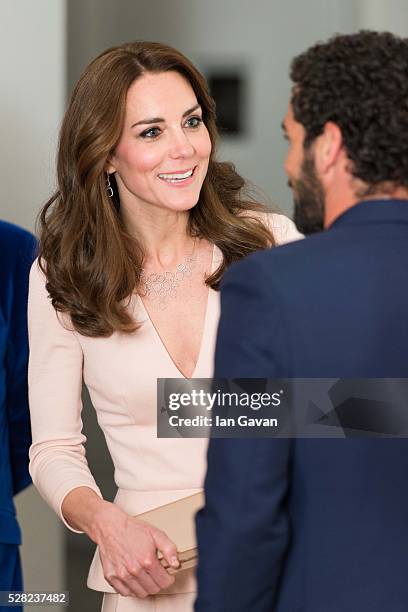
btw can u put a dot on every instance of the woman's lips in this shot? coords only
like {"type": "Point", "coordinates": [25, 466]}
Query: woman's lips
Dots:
{"type": "Point", "coordinates": [178, 179]}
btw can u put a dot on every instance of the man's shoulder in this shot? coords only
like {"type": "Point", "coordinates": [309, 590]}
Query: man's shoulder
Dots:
{"type": "Point", "coordinates": [294, 254]}
{"type": "Point", "coordinates": [14, 234]}
{"type": "Point", "coordinates": [19, 249]}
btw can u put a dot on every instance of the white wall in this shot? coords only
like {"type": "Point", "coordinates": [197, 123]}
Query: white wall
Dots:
{"type": "Point", "coordinates": [262, 36]}
{"type": "Point", "coordinates": [32, 68]}
{"type": "Point", "coordinates": [389, 15]}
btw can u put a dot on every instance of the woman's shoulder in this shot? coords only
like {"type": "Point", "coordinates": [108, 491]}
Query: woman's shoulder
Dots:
{"type": "Point", "coordinates": [37, 276]}
{"type": "Point", "coordinates": [38, 291]}
{"type": "Point", "coordinates": [40, 305]}
{"type": "Point", "coordinates": [282, 228]}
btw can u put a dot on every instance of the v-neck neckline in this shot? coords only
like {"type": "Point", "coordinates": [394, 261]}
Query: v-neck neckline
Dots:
{"type": "Point", "coordinates": [204, 327]}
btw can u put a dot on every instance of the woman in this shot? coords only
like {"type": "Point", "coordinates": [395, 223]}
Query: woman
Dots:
{"type": "Point", "coordinates": [133, 246]}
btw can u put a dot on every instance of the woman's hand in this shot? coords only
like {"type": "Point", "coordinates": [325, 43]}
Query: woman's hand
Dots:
{"type": "Point", "coordinates": [127, 545]}
{"type": "Point", "coordinates": [127, 548]}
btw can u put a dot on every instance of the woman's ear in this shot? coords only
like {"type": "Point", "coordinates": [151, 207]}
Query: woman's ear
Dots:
{"type": "Point", "coordinates": [110, 167]}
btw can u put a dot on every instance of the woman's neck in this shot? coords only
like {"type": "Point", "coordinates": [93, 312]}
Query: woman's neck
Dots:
{"type": "Point", "coordinates": [163, 235]}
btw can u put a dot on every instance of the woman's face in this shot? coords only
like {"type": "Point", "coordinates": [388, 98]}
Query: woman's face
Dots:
{"type": "Point", "coordinates": [162, 157]}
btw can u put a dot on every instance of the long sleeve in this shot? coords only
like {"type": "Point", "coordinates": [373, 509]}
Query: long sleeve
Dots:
{"type": "Point", "coordinates": [16, 359]}
{"type": "Point", "coordinates": [243, 531]}
{"type": "Point", "coordinates": [57, 456]}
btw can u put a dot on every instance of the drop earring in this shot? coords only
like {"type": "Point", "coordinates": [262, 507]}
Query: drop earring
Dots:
{"type": "Point", "coordinates": [109, 189]}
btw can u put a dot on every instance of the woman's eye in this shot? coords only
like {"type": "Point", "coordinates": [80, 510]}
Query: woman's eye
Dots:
{"type": "Point", "coordinates": [194, 122]}
{"type": "Point", "coordinates": [151, 133]}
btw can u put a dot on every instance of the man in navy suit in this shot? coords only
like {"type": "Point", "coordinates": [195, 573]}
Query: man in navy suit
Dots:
{"type": "Point", "coordinates": [312, 525]}
{"type": "Point", "coordinates": [17, 254]}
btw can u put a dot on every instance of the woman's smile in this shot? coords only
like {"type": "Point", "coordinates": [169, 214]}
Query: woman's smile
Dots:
{"type": "Point", "coordinates": [179, 178]}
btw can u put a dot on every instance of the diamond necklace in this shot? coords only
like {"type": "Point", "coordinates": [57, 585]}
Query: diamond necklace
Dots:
{"type": "Point", "coordinates": [162, 286]}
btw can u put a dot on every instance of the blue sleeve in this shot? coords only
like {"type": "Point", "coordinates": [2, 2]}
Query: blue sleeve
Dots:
{"type": "Point", "coordinates": [243, 531]}
{"type": "Point", "coordinates": [17, 363]}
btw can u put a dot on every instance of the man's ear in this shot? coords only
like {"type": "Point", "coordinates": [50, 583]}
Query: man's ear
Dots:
{"type": "Point", "coordinates": [328, 148]}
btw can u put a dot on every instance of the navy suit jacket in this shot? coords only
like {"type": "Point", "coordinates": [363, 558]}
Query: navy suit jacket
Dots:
{"type": "Point", "coordinates": [17, 254]}
{"type": "Point", "coordinates": [312, 525]}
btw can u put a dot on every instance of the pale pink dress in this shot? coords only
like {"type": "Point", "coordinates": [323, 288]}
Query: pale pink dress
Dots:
{"type": "Point", "coordinates": [121, 373]}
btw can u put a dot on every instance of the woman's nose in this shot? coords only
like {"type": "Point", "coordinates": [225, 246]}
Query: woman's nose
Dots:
{"type": "Point", "coordinates": [181, 146]}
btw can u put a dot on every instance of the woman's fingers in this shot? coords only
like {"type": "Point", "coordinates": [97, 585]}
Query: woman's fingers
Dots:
{"type": "Point", "coordinates": [118, 586]}
{"type": "Point", "coordinates": [166, 546]}
{"type": "Point", "coordinates": [154, 571]}
{"type": "Point", "coordinates": [145, 581]}
{"type": "Point", "coordinates": [129, 586]}
{"type": "Point", "coordinates": [160, 576]}
{"type": "Point", "coordinates": [128, 552]}
{"type": "Point", "coordinates": [140, 582]}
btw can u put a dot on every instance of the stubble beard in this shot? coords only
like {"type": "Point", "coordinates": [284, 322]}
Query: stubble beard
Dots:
{"type": "Point", "coordinates": [308, 195]}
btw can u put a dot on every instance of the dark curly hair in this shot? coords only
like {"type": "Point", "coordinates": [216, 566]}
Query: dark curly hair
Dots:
{"type": "Point", "coordinates": [359, 82]}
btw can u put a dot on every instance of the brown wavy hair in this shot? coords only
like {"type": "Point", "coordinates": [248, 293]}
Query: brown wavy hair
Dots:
{"type": "Point", "coordinates": [92, 264]}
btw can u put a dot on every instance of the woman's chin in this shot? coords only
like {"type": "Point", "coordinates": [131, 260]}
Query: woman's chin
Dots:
{"type": "Point", "coordinates": [180, 205]}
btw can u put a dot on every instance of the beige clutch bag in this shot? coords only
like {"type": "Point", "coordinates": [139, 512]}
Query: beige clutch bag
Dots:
{"type": "Point", "coordinates": [176, 519]}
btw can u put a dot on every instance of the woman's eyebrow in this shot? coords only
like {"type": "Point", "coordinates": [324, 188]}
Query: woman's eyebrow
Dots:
{"type": "Point", "coordinates": [160, 120]}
